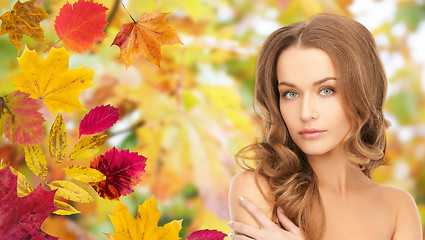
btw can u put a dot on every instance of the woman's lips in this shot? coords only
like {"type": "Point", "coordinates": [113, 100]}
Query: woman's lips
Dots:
{"type": "Point", "coordinates": [311, 133]}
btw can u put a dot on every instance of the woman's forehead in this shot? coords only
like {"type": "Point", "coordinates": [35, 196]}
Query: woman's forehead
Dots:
{"type": "Point", "coordinates": [309, 65]}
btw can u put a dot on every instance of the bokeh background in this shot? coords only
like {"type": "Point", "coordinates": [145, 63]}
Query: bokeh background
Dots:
{"type": "Point", "coordinates": [192, 115]}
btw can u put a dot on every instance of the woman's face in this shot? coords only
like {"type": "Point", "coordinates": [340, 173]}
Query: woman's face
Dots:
{"type": "Point", "coordinates": [309, 100]}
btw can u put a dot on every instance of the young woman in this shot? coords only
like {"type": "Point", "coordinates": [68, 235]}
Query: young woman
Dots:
{"type": "Point", "coordinates": [320, 88]}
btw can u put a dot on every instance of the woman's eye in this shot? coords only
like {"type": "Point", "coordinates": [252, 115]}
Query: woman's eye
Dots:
{"type": "Point", "coordinates": [327, 91]}
{"type": "Point", "coordinates": [290, 95]}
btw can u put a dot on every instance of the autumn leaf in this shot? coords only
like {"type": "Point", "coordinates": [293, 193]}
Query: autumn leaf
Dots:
{"type": "Point", "coordinates": [81, 24]}
{"type": "Point", "coordinates": [70, 191]}
{"type": "Point", "coordinates": [87, 147]}
{"type": "Point", "coordinates": [64, 208]}
{"type": "Point", "coordinates": [144, 226]}
{"type": "Point", "coordinates": [207, 235]}
{"type": "Point", "coordinates": [21, 218]}
{"type": "Point", "coordinates": [99, 119]}
{"type": "Point", "coordinates": [84, 174]}
{"type": "Point", "coordinates": [52, 81]}
{"type": "Point", "coordinates": [25, 18]}
{"type": "Point", "coordinates": [57, 140]}
{"type": "Point", "coordinates": [36, 161]}
{"type": "Point", "coordinates": [145, 38]}
{"type": "Point", "coordinates": [123, 170]}
{"type": "Point", "coordinates": [24, 186]}
{"type": "Point", "coordinates": [20, 119]}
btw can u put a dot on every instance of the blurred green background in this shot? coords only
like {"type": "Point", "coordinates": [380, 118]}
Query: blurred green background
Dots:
{"type": "Point", "coordinates": [192, 115]}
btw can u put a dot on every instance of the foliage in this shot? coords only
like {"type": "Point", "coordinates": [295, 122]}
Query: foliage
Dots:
{"type": "Point", "coordinates": [26, 17]}
{"type": "Point", "coordinates": [20, 120]}
{"type": "Point", "coordinates": [81, 24]}
{"type": "Point", "coordinates": [99, 119]}
{"type": "Point", "coordinates": [20, 218]}
{"type": "Point", "coordinates": [206, 235]}
{"type": "Point", "coordinates": [144, 226]}
{"type": "Point", "coordinates": [51, 80]}
{"type": "Point", "coordinates": [145, 38]}
{"type": "Point", "coordinates": [122, 169]}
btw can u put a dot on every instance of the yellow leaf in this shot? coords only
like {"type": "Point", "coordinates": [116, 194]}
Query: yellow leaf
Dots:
{"type": "Point", "coordinates": [84, 174]}
{"type": "Point", "coordinates": [2, 163]}
{"type": "Point", "coordinates": [24, 186]}
{"type": "Point", "coordinates": [144, 226]}
{"type": "Point", "coordinates": [87, 147]}
{"type": "Point", "coordinates": [71, 191]}
{"type": "Point", "coordinates": [64, 208]}
{"type": "Point", "coordinates": [52, 81]}
{"type": "Point", "coordinates": [57, 140]}
{"type": "Point", "coordinates": [36, 161]}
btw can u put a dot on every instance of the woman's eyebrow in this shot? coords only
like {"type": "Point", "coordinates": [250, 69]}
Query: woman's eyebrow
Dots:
{"type": "Point", "coordinates": [314, 84]}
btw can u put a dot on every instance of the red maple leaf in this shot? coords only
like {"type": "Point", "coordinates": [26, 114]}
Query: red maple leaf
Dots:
{"type": "Point", "coordinates": [99, 119]}
{"type": "Point", "coordinates": [206, 235]}
{"type": "Point", "coordinates": [81, 24]}
{"type": "Point", "coordinates": [123, 170]}
{"type": "Point", "coordinates": [21, 218]}
{"type": "Point", "coordinates": [20, 119]}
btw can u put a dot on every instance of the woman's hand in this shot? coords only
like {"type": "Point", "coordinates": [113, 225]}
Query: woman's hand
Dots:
{"type": "Point", "coordinates": [268, 229]}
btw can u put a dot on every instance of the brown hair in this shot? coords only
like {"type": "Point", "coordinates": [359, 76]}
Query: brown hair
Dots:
{"type": "Point", "coordinates": [362, 84]}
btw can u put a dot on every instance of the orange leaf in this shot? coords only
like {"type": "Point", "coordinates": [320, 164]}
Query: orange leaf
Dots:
{"type": "Point", "coordinates": [145, 38]}
{"type": "Point", "coordinates": [81, 24]}
{"type": "Point", "coordinates": [25, 18]}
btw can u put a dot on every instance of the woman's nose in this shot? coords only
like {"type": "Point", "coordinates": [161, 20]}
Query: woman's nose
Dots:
{"type": "Point", "coordinates": [308, 109]}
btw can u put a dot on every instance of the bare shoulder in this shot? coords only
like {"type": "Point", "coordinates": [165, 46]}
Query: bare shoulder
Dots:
{"type": "Point", "coordinates": [244, 184]}
{"type": "Point", "coordinates": [408, 223]}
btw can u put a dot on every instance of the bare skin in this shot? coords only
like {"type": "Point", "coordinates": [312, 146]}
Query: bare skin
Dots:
{"type": "Point", "coordinates": [375, 212]}
{"type": "Point", "coordinates": [355, 206]}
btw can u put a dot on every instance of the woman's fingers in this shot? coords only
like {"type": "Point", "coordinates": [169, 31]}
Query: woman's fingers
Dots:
{"type": "Point", "coordinates": [243, 229]}
{"type": "Point", "coordinates": [286, 222]}
{"type": "Point", "coordinates": [255, 212]}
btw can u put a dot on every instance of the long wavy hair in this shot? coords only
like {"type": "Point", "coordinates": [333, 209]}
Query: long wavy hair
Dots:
{"type": "Point", "coordinates": [363, 86]}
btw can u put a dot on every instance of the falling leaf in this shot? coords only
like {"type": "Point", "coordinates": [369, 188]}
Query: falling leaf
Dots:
{"type": "Point", "coordinates": [81, 24]}
{"type": "Point", "coordinates": [57, 140]}
{"type": "Point", "coordinates": [84, 174]}
{"type": "Point", "coordinates": [52, 81]}
{"type": "Point", "coordinates": [70, 191]}
{"type": "Point", "coordinates": [145, 38]}
{"type": "Point", "coordinates": [99, 119]}
{"type": "Point", "coordinates": [64, 208]}
{"type": "Point", "coordinates": [36, 161]}
{"type": "Point", "coordinates": [20, 119]}
{"type": "Point", "coordinates": [25, 18]}
{"type": "Point", "coordinates": [207, 235]}
{"type": "Point", "coordinates": [21, 218]}
{"type": "Point", "coordinates": [87, 147]}
{"type": "Point", "coordinates": [123, 170]}
{"type": "Point", "coordinates": [144, 226]}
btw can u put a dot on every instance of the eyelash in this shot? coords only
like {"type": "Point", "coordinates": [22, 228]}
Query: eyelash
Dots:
{"type": "Point", "coordinates": [324, 88]}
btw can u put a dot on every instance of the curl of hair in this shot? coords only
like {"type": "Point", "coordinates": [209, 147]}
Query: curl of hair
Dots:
{"type": "Point", "coordinates": [362, 84]}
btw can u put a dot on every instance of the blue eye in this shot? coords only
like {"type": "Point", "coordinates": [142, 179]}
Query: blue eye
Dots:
{"type": "Point", "coordinates": [327, 91]}
{"type": "Point", "coordinates": [290, 95]}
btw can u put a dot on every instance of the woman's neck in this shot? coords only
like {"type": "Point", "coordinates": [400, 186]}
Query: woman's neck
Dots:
{"type": "Point", "coordinates": [336, 175]}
